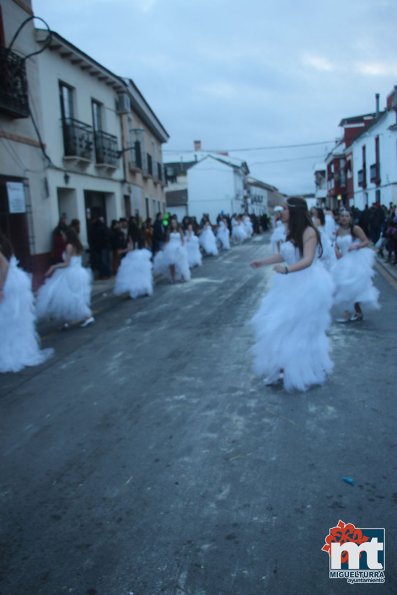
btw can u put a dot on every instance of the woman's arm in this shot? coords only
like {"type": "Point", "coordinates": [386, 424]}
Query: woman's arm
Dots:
{"type": "Point", "coordinates": [4, 266]}
{"type": "Point", "coordinates": [271, 260]}
{"type": "Point", "coordinates": [360, 234]}
{"type": "Point", "coordinates": [309, 250]}
{"type": "Point", "coordinates": [61, 265]}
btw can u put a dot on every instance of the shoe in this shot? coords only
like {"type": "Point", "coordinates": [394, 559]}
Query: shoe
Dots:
{"type": "Point", "coordinates": [356, 316]}
{"type": "Point", "coordinates": [87, 322]}
{"type": "Point", "coordinates": [65, 326]}
{"type": "Point", "coordinates": [343, 319]}
{"type": "Point", "coordinates": [270, 381]}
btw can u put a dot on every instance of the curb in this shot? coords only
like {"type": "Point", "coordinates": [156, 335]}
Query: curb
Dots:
{"type": "Point", "coordinates": [389, 268]}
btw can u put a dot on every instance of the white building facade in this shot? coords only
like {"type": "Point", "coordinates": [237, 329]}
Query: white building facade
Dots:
{"type": "Point", "coordinates": [375, 160]}
{"type": "Point", "coordinates": [82, 133]}
{"type": "Point", "coordinates": [216, 185]}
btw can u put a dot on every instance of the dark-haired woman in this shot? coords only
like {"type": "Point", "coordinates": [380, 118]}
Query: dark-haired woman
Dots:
{"type": "Point", "coordinates": [291, 323]}
{"type": "Point", "coordinates": [353, 270]}
{"type": "Point", "coordinates": [19, 344]}
{"type": "Point", "coordinates": [66, 294]}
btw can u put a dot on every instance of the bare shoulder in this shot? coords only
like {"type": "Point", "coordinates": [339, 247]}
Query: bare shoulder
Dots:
{"type": "Point", "coordinates": [309, 234]}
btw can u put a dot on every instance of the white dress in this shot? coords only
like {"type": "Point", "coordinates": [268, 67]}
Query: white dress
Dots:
{"type": "Point", "coordinates": [278, 236]}
{"type": "Point", "coordinates": [328, 257]}
{"type": "Point", "coordinates": [208, 241]}
{"type": "Point", "coordinates": [291, 324]}
{"type": "Point", "coordinates": [238, 231]}
{"type": "Point", "coordinates": [134, 275]}
{"type": "Point", "coordinates": [194, 256]}
{"type": "Point", "coordinates": [19, 342]}
{"type": "Point", "coordinates": [223, 236]}
{"type": "Point", "coordinates": [66, 295]}
{"type": "Point", "coordinates": [174, 254]}
{"type": "Point", "coordinates": [353, 274]}
{"type": "Point", "coordinates": [249, 229]}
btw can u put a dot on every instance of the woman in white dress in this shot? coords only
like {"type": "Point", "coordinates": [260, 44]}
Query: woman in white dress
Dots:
{"type": "Point", "coordinates": [279, 231]}
{"type": "Point", "coordinates": [172, 261]}
{"type": "Point", "coordinates": [291, 323]}
{"type": "Point", "coordinates": [249, 229]}
{"type": "Point", "coordinates": [223, 234]}
{"type": "Point", "coordinates": [134, 275]}
{"type": "Point", "coordinates": [238, 230]}
{"type": "Point", "coordinates": [66, 294]}
{"type": "Point", "coordinates": [19, 345]}
{"type": "Point", "coordinates": [194, 256]}
{"type": "Point", "coordinates": [353, 271]}
{"type": "Point", "coordinates": [328, 257]}
{"type": "Point", "coordinates": [208, 240]}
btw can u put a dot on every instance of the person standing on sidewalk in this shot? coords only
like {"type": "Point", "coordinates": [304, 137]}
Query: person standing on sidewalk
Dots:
{"type": "Point", "coordinates": [291, 323]}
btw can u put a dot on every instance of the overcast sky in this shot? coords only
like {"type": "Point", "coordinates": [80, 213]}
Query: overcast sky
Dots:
{"type": "Point", "coordinates": [244, 74]}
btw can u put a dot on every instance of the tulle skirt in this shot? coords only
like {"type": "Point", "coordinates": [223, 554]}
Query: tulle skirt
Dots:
{"type": "Point", "coordinates": [19, 341]}
{"type": "Point", "coordinates": [194, 256]}
{"type": "Point", "coordinates": [66, 295]}
{"type": "Point", "coordinates": [224, 238]}
{"type": "Point", "coordinates": [134, 275]}
{"type": "Point", "coordinates": [290, 329]}
{"type": "Point", "coordinates": [238, 233]}
{"type": "Point", "coordinates": [352, 275]}
{"type": "Point", "coordinates": [178, 258]}
{"type": "Point", "coordinates": [208, 242]}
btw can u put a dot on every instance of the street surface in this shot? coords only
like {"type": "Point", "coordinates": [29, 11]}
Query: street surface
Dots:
{"type": "Point", "coordinates": [145, 458]}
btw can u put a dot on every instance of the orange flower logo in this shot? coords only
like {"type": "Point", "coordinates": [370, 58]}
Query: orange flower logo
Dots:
{"type": "Point", "coordinates": [343, 533]}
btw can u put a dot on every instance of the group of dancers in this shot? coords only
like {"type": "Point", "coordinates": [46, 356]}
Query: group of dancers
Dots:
{"type": "Point", "coordinates": [317, 265]}
{"type": "Point", "coordinates": [65, 296]}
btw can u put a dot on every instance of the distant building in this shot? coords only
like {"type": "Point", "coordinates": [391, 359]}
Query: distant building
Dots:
{"type": "Point", "coordinates": [213, 183]}
{"type": "Point", "coordinates": [374, 154]}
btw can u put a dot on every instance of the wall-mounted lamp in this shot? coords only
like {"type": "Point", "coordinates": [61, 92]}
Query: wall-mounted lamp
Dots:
{"type": "Point", "coordinates": [66, 177]}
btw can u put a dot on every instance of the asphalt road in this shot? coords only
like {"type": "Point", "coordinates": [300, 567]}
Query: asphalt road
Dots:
{"type": "Point", "coordinates": [146, 459]}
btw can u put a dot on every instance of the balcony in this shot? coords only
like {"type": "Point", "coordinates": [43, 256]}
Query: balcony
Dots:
{"type": "Point", "coordinates": [13, 85]}
{"type": "Point", "coordinates": [77, 141]}
{"type": "Point", "coordinates": [362, 178]}
{"type": "Point", "coordinates": [374, 173]}
{"type": "Point", "coordinates": [106, 150]}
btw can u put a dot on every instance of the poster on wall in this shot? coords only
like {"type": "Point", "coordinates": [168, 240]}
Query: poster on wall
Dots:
{"type": "Point", "coordinates": [16, 197]}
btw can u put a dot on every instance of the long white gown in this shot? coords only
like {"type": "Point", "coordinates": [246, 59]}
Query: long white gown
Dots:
{"type": "Point", "coordinates": [19, 341]}
{"type": "Point", "coordinates": [278, 235]}
{"type": "Point", "coordinates": [174, 253]}
{"type": "Point", "coordinates": [353, 275]}
{"type": "Point", "coordinates": [134, 275]}
{"type": "Point", "coordinates": [223, 235]}
{"type": "Point", "coordinates": [291, 324]}
{"type": "Point", "coordinates": [238, 231]}
{"type": "Point", "coordinates": [194, 256]}
{"type": "Point", "coordinates": [208, 241]}
{"type": "Point", "coordinates": [66, 295]}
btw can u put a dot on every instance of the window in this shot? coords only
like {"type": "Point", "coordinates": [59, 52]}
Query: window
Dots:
{"type": "Point", "coordinates": [66, 97]}
{"type": "Point", "coordinates": [97, 111]}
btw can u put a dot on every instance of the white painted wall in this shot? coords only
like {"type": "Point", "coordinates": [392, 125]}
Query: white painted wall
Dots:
{"type": "Point", "coordinates": [212, 188]}
{"type": "Point", "coordinates": [52, 68]}
{"type": "Point", "coordinates": [388, 162]}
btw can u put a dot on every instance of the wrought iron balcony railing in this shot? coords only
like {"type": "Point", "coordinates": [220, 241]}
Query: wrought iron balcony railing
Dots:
{"type": "Point", "coordinates": [106, 149]}
{"type": "Point", "coordinates": [78, 139]}
{"type": "Point", "coordinates": [13, 85]}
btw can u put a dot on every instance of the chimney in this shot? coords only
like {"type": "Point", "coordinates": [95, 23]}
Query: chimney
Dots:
{"type": "Point", "coordinates": [197, 145]}
{"type": "Point", "coordinates": [377, 105]}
